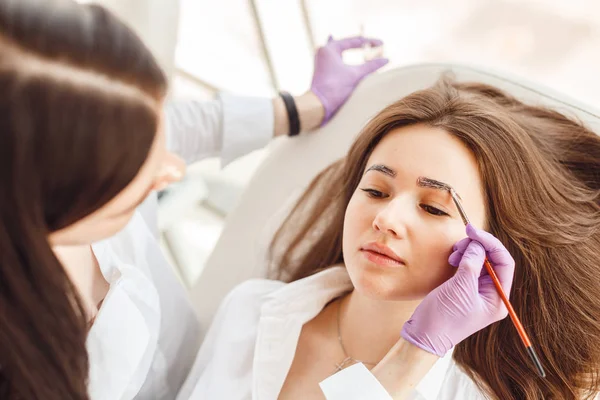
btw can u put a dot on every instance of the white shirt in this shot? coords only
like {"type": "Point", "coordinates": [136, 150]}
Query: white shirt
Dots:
{"type": "Point", "coordinates": [146, 336]}
{"type": "Point", "coordinates": [251, 344]}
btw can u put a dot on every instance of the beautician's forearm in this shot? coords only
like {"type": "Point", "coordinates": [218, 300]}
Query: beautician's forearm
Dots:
{"type": "Point", "coordinates": [403, 368]}
{"type": "Point", "coordinates": [310, 111]}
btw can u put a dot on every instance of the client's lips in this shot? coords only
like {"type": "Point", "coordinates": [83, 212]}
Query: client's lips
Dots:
{"type": "Point", "coordinates": [381, 252]}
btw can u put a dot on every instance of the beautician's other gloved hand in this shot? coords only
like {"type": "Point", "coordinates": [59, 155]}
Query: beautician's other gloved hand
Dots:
{"type": "Point", "coordinates": [467, 302]}
{"type": "Point", "coordinates": [333, 80]}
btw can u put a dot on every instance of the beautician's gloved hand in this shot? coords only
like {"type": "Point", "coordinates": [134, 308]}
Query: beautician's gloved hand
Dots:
{"type": "Point", "coordinates": [333, 80]}
{"type": "Point", "coordinates": [467, 302]}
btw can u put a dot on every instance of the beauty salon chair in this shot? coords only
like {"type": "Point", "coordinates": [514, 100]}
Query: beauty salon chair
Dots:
{"type": "Point", "coordinates": [292, 163]}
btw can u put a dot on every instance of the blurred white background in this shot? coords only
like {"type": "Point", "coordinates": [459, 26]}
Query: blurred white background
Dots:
{"type": "Point", "coordinates": [252, 46]}
{"type": "Point", "coordinates": [257, 47]}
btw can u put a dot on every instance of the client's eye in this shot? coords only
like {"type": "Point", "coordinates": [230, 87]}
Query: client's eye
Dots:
{"type": "Point", "coordinates": [376, 194]}
{"type": "Point", "coordinates": [433, 211]}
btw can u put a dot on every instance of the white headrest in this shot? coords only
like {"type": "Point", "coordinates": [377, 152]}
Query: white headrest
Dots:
{"type": "Point", "coordinates": [293, 163]}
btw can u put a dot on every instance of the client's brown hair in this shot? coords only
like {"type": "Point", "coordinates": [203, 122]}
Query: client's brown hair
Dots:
{"type": "Point", "coordinates": [541, 172]}
{"type": "Point", "coordinates": [79, 110]}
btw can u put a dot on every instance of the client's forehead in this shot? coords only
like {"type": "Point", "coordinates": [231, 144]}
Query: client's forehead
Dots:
{"type": "Point", "coordinates": [420, 149]}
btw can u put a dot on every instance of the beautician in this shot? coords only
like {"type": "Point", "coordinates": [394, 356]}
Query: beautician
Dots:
{"type": "Point", "coordinates": [61, 66]}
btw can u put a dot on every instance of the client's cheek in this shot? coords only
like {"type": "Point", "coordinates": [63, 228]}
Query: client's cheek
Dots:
{"type": "Point", "coordinates": [430, 277]}
{"type": "Point", "coordinates": [439, 247]}
{"type": "Point", "coordinates": [445, 273]}
{"type": "Point", "coordinates": [357, 224]}
{"type": "Point", "coordinates": [435, 267]}
{"type": "Point", "coordinates": [442, 270]}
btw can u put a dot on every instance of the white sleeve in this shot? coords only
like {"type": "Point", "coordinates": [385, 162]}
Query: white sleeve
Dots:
{"type": "Point", "coordinates": [458, 385]}
{"type": "Point", "coordinates": [354, 383]}
{"type": "Point", "coordinates": [229, 126]}
{"type": "Point", "coordinates": [445, 381]}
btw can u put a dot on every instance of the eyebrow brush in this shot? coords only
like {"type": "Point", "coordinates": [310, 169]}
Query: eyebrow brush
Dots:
{"type": "Point", "coordinates": [432, 183]}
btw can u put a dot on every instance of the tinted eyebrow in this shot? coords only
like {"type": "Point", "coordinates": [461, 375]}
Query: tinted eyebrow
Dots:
{"type": "Point", "coordinates": [383, 169]}
{"type": "Point", "coordinates": [429, 183]}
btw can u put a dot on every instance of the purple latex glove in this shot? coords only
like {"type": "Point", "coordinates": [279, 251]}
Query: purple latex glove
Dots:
{"type": "Point", "coordinates": [333, 81]}
{"type": "Point", "coordinates": [467, 302]}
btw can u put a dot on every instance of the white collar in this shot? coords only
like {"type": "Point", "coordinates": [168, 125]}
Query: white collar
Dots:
{"type": "Point", "coordinates": [308, 296]}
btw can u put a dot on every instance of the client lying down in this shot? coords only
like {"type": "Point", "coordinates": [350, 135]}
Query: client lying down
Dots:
{"type": "Point", "coordinates": [377, 278]}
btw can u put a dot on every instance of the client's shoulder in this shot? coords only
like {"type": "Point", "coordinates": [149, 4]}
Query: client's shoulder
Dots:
{"type": "Point", "coordinates": [253, 298]}
{"type": "Point", "coordinates": [249, 296]}
{"type": "Point", "coordinates": [254, 289]}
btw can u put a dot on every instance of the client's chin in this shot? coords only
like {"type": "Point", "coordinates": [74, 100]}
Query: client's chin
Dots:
{"type": "Point", "coordinates": [383, 284]}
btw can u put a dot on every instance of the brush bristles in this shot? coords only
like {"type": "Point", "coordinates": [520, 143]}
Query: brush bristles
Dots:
{"type": "Point", "coordinates": [461, 210]}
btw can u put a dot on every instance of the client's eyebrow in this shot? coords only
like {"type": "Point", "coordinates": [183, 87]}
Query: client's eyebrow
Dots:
{"type": "Point", "coordinates": [383, 169]}
{"type": "Point", "coordinates": [429, 183]}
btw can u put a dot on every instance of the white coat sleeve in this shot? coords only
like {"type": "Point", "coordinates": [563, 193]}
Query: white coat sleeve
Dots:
{"type": "Point", "coordinates": [445, 381]}
{"type": "Point", "coordinates": [354, 383]}
{"type": "Point", "coordinates": [229, 126]}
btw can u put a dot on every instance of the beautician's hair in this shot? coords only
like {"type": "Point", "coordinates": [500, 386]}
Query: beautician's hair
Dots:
{"type": "Point", "coordinates": [541, 174]}
{"type": "Point", "coordinates": [79, 110]}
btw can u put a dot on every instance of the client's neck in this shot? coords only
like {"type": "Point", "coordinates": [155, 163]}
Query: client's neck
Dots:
{"type": "Point", "coordinates": [369, 328]}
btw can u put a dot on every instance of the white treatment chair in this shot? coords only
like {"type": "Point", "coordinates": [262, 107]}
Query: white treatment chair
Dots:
{"type": "Point", "coordinates": [291, 164]}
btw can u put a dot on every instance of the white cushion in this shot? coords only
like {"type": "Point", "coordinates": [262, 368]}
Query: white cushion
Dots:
{"type": "Point", "coordinates": [293, 163]}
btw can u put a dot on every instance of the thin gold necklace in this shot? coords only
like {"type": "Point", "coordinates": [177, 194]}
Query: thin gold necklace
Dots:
{"type": "Point", "coordinates": [347, 361]}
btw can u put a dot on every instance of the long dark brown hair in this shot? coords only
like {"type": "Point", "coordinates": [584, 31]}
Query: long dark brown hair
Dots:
{"type": "Point", "coordinates": [541, 172]}
{"type": "Point", "coordinates": [79, 101]}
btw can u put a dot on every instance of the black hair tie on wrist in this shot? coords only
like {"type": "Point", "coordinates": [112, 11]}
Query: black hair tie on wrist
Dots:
{"type": "Point", "coordinates": [292, 112]}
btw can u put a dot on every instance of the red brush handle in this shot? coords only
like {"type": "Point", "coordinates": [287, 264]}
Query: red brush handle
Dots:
{"type": "Point", "coordinates": [516, 321]}
{"type": "Point", "coordinates": [511, 311]}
